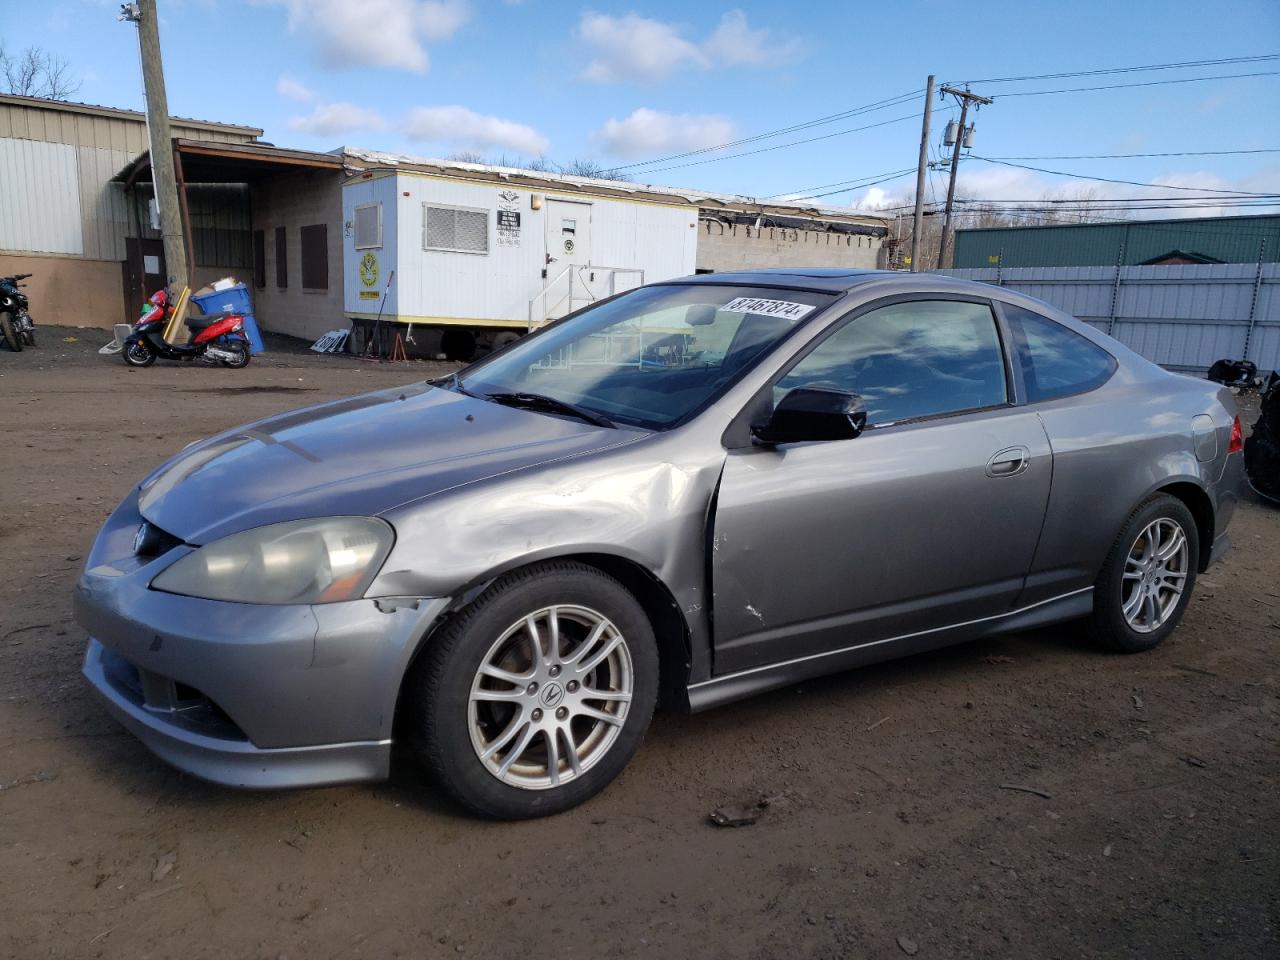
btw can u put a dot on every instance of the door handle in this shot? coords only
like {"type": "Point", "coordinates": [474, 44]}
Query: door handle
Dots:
{"type": "Point", "coordinates": [1009, 462]}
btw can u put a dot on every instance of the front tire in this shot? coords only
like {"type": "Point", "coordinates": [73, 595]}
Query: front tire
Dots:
{"type": "Point", "coordinates": [138, 353]}
{"type": "Point", "coordinates": [533, 698]}
{"type": "Point", "coordinates": [11, 337]}
{"type": "Point", "coordinates": [1146, 582]}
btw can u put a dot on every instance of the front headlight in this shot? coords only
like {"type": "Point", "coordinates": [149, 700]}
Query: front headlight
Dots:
{"type": "Point", "coordinates": [302, 561]}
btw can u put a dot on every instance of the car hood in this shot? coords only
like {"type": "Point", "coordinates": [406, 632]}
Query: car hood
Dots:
{"type": "Point", "coordinates": [360, 456]}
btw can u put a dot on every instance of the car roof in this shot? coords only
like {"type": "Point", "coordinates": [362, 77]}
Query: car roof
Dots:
{"type": "Point", "coordinates": [835, 279]}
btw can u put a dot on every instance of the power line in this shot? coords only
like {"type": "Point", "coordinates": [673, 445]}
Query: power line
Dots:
{"type": "Point", "coordinates": [783, 146]}
{"type": "Point", "coordinates": [1132, 183]}
{"type": "Point", "coordinates": [1148, 83]}
{"type": "Point", "coordinates": [648, 166]}
{"type": "Point", "coordinates": [803, 125]}
{"type": "Point", "coordinates": [839, 183]}
{"type": "Point", "coordinates": [1223, 61]}
{"type": "Point", "coordinates": [1263, 198]}
{"type": "Point", "coordinates": [1127, 156]}
{"type": "Point", "coordinates": [897, 176]}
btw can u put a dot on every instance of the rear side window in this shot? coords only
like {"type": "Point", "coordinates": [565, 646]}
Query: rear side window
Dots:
{"type": "Point", "coordinates": [919, 358]}
{"type": "Point", "coordinates": [1055, 361]}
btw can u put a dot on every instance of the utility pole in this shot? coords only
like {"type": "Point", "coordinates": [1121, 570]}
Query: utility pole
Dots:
{"type": "Point", "coordinates": [920, 172]}
{"type": "Point", "coordinates": [963, 134]}
{"type": "Point", "coordinates": [163, 176]}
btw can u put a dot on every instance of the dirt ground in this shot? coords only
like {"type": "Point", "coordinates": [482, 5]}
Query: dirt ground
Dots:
{"type": "Point", "coordinates": [894, 831]}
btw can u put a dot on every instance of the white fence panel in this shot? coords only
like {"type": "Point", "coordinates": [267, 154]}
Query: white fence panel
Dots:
{"type": "Point", "coordinates": [1184, 316]}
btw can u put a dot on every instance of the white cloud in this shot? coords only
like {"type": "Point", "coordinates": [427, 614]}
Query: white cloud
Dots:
{"type": "Point", "coordinates": [336, 119]}
{"type": "Point", "coordinates": [634, 48]}
{"type": "Point", "coordinates": [293, 89]}
{"type": "Point", "coordinates": [644, 50]}
{"type": "Point", "coordinates": [378, 33]}
{"type": "Point", "coordinates": [463, 128]}
{"type": "Point", "coordinates": [441, 19]}
{"type": "Point", "coordinates": [734, 42]}
{"type": "Point", "coordinates": [647, 132]}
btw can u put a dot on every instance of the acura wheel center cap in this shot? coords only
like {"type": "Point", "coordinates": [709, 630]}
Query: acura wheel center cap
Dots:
{"type": "Point", "coordinates": [552, 694]}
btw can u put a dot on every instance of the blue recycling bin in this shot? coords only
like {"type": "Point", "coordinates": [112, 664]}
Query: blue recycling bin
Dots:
{"type": "Point", "coordinates": [233, 300]}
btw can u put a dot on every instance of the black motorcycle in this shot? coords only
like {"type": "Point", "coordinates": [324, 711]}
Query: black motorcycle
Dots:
{"type": "Point", "coordinates": [1262, 449]}
{"type": "Point", "coordinates": [16, 325]}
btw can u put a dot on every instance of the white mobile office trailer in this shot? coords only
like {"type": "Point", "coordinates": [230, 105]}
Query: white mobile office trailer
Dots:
{"type": "Point", "coordinates": [481, 254]}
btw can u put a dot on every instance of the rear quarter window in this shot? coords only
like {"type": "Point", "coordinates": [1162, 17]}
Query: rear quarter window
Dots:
{"type": "Point", "coordinates": [1056, 362]}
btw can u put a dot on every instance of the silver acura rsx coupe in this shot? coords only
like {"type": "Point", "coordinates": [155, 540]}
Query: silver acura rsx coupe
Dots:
{"type": "Point", "coordinates": [689, 493]}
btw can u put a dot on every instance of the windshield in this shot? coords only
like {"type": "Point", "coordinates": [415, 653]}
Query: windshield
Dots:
{"type": "Point", "coordinates": [652, 357]}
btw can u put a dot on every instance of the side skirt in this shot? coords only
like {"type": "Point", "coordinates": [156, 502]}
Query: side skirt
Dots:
{"type": "Point", "coordinates": [746, 683]}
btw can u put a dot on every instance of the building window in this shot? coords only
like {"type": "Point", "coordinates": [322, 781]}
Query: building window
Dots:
{"type": "Point", "coordinates": [368, 226]}
{"type": "Point", "coordinates": [282, 259]}
{"type": "Point", "coordinates": [315, 257]}
{"type": "Point", "coordinates": [455, 229]}
{"type": "Point", "coordinates": [259, 259]}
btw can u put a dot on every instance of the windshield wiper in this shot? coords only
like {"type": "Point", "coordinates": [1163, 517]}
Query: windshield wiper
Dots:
{"type": "Point", "coordinates": [453, 382]}
{"type": "Point", "coordinates": [540, 401]}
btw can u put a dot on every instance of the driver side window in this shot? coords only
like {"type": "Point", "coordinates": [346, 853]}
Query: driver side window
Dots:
{"type": "Point", "coordinates": [909, 360]}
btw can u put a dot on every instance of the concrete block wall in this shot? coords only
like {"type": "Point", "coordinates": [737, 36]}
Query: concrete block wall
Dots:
{"type": "Point", "coordinates": [726, 247]}
{"type": "Point", "coordinates": [296, 200]}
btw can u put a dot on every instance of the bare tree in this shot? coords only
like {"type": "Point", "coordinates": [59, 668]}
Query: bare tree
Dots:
{"type": "Point", "coordinates": [36, 73]}
{"type": "Point", "coordinates": [574, 168]}
{"type": "Point", "coordinates": [591, 168]}
{"type": "Point", "coordinates": [466, 156]}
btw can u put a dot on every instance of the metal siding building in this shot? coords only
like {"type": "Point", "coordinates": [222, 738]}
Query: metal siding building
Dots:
{"type": "Point", "coordinates": [1227, 239]}
{"type": "Point", "coordinates": [65, 222]}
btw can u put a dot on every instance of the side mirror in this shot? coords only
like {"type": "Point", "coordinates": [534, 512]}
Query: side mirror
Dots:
{"type": "Point", "coordinates": [813, 413]}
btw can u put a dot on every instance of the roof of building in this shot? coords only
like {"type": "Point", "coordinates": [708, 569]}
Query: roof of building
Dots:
{"type": "Point", "coordinates": [211, 162]}
{"type": "Point", "coordinates": [1246, 239]}
{"type": "Point", "coordinates": [97, 110]}
{"type": "Point", "coordinates": [824, 279]}
{"type": "Point", "coordinates": [705, 200]}
{"type": "Point", "coordinates": [1188, 255]}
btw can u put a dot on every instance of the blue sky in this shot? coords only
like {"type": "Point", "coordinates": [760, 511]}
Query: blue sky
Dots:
{"type": "Point", "coordinates": [626, 82]}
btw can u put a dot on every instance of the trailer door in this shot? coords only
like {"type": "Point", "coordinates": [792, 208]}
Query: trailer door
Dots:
{"type": "Point", "coordinates": [569, 284]}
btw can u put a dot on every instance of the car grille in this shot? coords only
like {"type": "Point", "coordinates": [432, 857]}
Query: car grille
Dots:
{"type": "Point", "coordinates": [178, 703]}
{"type": "Point", "coordinates": [150, 541]}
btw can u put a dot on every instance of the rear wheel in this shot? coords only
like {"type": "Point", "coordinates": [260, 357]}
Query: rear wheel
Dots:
{"type": "Point", "coordinates": [29, 337]}
{"type": "Point", "coordinates": [11, 337]}
{"type": "Point", "coordinates": [1146, 582]}
{"type": "Point", "coordinates": [538, 694]}
{"type": "Point", "coordinates": [138, 353]}
{"type": "Point", "coordinates": [241, 349]}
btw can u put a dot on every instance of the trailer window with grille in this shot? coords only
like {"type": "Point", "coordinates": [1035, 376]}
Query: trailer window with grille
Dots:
{"type": "Point", "coordinates": [455, 229]}
{"type": "Point", "coordinates": [368, 226]}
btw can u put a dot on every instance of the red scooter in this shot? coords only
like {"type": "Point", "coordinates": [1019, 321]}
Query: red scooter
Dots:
{"type": "Point", "coordinates": [215, 338]}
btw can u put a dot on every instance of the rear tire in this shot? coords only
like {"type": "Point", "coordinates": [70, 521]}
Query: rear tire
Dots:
{"type": "Point", "coordinates": [138, 353]}
{"type": "Point", "coordinates": [29, 337]}
{"type": "Point", "coordinates": [462, 703]}
{"type": "Point", "coordinates": [11, 337]}
{"type": "Point", "coordinates": [243, 354]}
{"type": "Point", "coordinates": [1146, 582]}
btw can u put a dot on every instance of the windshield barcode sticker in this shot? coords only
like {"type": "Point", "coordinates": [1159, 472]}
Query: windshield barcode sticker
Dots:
{"type": "Point", "coordinates": [769, 308]}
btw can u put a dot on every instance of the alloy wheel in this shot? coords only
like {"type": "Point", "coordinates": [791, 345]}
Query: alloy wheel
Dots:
{"type": "Point", "coordinates": [1155, 575]}
{"type": "Point", "coordinates": [550, 697]}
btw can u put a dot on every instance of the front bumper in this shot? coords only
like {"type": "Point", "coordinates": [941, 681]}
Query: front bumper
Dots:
{"type": "Point", "coordinates": [246, 695]}
{"type": "Point", "coordinates": [233, 761]}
